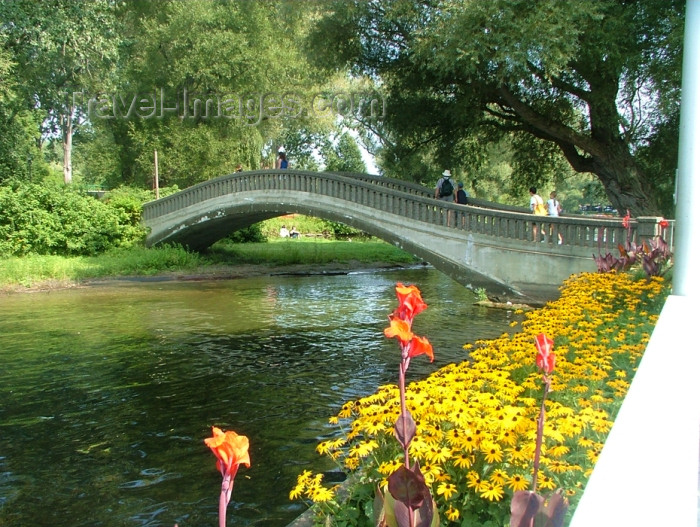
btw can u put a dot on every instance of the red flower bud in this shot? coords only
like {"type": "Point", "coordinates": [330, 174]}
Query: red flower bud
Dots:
{"type": "Point", "coordinates": [545, 353]}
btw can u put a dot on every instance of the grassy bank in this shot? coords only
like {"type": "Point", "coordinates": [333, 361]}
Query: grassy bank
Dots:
{"type": "Point", "coordinates": [31, 271]}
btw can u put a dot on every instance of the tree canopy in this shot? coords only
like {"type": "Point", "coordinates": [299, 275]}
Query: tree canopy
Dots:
{"type": "Point", "coordinates": [555, 87]}
{"type": "Point", "coordinates": [208, 84]}
{"type": "Point", "coordinates": [595, 82]}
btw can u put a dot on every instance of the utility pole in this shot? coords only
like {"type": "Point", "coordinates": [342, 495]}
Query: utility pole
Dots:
{"type": "Point", "coordinates": [155, 182]}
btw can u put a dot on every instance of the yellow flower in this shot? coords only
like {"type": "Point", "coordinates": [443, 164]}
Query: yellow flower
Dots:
{"type": "Point", "coordinates": [326, 447]}
{"type": "Point", "coordinates": [498, 476]}
{"type": "Point", "coordinates": [346, 410]}
{"type": "Point", "coordinates": [585, 442]}
{"type": "Point", "coordinates": [518, 482]}
{"type": "Point", "coordinates": [474, 480]}
{"type": "Point", "coordinates": [438, 455]}
{"type": "Point", "coordinates": [363, 449]}
{"type": "Point", "coordinates": [447, 490]}
{"type": "Point", "coordinates": [296, 492]}
{"type": "Point", "coordinates": [389, 467]}
{"type": "Point", "coordinates": [492, 452]}
{"type": "Point", "coordinates": [464, 460]}
{"type": "Point", "coordinates": [321, 494]}
{"type": "Point", "coordinates": [558, 450]}
{"type": "Point", "coordinates": [546, 482]}
{"type": "Point", "coordinates": [492, 491]}
{"type": "Point", "coordinates": [518, 453]}
{"type": "Point", "coordinates": [452, 514]}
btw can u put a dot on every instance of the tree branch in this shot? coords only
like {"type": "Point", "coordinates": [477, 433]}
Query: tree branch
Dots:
{"type": "Point", "coordinates": [559, 83]}
{"type": "Point", "coordinates": [555, 131]}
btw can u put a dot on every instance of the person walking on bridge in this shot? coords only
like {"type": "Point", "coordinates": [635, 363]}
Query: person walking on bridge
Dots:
{"type": "Point", "coordinates": [538, 208]}
{"type": "Point", "coordinates": [554, 209]}
{"type": "Point", "coordinates": [461, 195]}
{"type": "Point", "coordinates": [282, 159]}
{"type": "Point", "coordinates": [445, 191]}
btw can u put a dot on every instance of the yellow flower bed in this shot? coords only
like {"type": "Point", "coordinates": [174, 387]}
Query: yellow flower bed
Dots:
{"type": "Point", "coordinates": [476, 421]}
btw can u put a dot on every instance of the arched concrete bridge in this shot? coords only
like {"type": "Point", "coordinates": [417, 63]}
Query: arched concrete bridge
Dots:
{"type": "Point", "coordinates": [478, 245]}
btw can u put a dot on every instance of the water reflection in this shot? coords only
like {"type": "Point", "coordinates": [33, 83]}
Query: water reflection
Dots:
{"type": "Point", "coordinates": [109, 391]}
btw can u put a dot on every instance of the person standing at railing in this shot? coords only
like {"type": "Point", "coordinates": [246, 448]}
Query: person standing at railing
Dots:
{"type": "Point", "coordinates": [461, 195]}
{"type": "Point", "coordinates": [445, 190]}
{"type": "Point", "coordinates": [538, 208]}
{"type": "Point", "coordinates": [461, 199]}
{"type": "Point", "coordinates": [282, 159]}
{"type": "Point", "coordinates": [553, 209]}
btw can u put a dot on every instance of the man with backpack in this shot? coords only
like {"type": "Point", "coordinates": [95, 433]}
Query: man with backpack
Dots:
{"type": "Point", "coordinates": [444, 189]}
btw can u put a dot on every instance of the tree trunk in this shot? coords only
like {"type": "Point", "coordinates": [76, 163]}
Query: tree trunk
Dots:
{"type": "Point", "coordinates": [67, 131]}
{"type": "Point", "coordinates": [624, 186]}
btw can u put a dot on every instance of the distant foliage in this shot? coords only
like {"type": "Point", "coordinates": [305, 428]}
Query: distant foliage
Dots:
{"type": "Point", "coordinates": [53, 219]}
{"type": "Point", "coordinates": [342, 231]}
{"type": "Point", "coordinates": [251, 234]}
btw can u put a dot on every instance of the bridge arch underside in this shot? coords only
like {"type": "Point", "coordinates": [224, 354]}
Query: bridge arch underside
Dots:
{"type": "Point", "coordinates": [464, 257]}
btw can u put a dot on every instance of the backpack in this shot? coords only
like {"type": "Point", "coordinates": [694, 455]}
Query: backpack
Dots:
{"type": "Point", "coordinates": [540, 208]}
{"type": "Point", "coordinates": [446, 189]}
{"type": "Point", "coordinates": [461, 197]}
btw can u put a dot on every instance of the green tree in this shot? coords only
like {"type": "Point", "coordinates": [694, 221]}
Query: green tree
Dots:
{"type": "Point", "coordinates": [61, 48]}
{"type": "Point", "coordinates": [198, 51]}
{"type": "Point", "coordinates": [344, 155]}
{"type": "Point", "coordinates": [595, 82]}
{"type": "Point", "coordinates": [19, 153]}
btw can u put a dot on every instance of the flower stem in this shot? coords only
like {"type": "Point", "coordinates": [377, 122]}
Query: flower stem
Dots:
{"type": "Point", "coordinates": [540, 430]}
{"type": "Point", "coordinates": [224, 497]}
{"type": "Point", "coordinates": [402, 398]}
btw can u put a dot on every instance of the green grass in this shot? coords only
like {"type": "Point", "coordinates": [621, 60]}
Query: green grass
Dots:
{"type": "Point", "coordinates": [29, 270]}
{"type": "Point", "coordinates": [309, 251]}
{"type": "Point", "coordinates": [139, 261]}
{"type": "Point", "coordinates": [304, 224]}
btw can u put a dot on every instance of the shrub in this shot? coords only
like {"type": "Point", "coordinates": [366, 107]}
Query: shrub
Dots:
{"type": "Point", "coordinates": [54, 219]}
{"type": "Point", "coordinates": [251, 234]}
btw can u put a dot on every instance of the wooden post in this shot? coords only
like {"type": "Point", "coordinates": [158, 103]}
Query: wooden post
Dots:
{"type": "Point", "coordinates": [155, 160]}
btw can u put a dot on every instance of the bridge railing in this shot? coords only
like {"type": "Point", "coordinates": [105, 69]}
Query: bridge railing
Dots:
{"type": "Point", "coordinates": [416, 203]}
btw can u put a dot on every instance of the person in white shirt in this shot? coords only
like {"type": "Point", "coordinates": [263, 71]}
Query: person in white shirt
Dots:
{"type": "Point", "coordinates": [553, 209]}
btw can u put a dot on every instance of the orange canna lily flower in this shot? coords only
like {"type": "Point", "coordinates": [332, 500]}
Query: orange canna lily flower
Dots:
{"type": "Point", "coordinates": [626, 220]}
{"type": "Point", "coordinates": [419, 346]}
{"type": "Point", "coordinates": [399, 328]}
{"type": "Point", "coordinates": [410, 301]}
{"type": "Point", "coordinates": [545, 354]}
{"type": "Point", "coordinates": [230, 450]}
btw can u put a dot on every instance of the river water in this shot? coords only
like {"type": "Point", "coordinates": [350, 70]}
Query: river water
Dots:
{"type": "Point", "coordinates": [107, 392]}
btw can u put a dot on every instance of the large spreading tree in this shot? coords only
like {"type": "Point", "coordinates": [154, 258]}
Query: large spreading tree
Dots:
{"type": "Point", "coordinates": [597, 82]}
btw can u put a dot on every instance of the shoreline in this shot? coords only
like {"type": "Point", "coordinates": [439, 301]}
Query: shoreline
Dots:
{"type": "Point", "coordinates": [238, 271]}
{"type": "Point", "coordinates": [214, 272]}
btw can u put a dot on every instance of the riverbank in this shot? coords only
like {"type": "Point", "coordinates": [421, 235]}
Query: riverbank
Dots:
{"type": "Point", "coordinates": [223, 261]}
{"type": "Point", "coordinates": [205, 272]}
{"type": "Point", "coordinates": [232, 272]}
